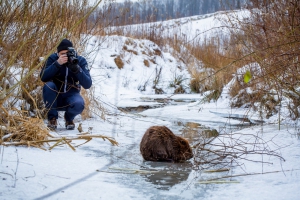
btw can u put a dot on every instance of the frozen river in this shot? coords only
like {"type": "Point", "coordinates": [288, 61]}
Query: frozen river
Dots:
{"type": "Point", "coordinates": [98, 170]}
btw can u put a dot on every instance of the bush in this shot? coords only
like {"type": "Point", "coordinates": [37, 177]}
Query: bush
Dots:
{"type": "Point", "coordinates": [269, 36]}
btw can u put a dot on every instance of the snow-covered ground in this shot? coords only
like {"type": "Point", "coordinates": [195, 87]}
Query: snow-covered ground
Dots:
{"type": "Point", "coordinates": [99, 170]}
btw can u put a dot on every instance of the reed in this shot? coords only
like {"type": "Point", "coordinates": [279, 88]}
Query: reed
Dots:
{"type": "Point", "coordinates": [30, 32]}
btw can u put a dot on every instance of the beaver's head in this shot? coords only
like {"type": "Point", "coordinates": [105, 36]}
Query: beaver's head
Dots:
{"type": "Point", "coordinates": [182, 149]}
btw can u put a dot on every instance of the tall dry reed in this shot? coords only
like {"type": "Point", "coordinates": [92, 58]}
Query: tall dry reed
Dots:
{"type": "Point", "coordinates": [29, 32]}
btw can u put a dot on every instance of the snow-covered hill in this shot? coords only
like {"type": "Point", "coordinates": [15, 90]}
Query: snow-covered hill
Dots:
{"type": "Point", "coordinates": [130, 65]}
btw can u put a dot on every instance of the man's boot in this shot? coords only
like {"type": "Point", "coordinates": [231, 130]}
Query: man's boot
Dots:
{"type": "Point", "coordinates": [70, 125]}
{"type": "Point", "coordinates": [52, 124]}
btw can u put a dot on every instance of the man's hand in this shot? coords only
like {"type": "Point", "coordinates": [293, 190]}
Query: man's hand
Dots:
{"type": "Point", "coordinates": [63, 58]}
{"type": "Point", "coordinates": [73, 68]}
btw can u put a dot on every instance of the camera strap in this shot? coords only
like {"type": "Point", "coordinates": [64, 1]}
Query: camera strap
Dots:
{"type": "Point", "coordinates": [66, 80]}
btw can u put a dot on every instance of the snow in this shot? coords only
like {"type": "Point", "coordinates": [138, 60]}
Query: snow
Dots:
{"type": "Point", "coordinates": [29, 173]}
{"type": "Point", "coordinates": [195, 28]}
{"type": "Point", "coordinates": [99, 170]}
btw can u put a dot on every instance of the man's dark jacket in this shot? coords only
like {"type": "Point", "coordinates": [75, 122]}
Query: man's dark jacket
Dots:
{"type": "Point", "coordinates": [60, 75]}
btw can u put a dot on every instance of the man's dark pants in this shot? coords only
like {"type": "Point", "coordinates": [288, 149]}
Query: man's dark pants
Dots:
{"type": "Point", "coordinates": [71, 102]}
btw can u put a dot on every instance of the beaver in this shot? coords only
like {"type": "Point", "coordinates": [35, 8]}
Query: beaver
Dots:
{"type": "Point", "coordinates": [160, 144]}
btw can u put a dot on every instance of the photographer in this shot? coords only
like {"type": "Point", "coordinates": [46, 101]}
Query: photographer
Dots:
{"type": "Point", "coordinates": [64, 73]}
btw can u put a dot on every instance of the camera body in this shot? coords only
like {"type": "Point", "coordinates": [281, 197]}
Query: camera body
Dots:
{"type": "Point", "coordinates": [72, 56]}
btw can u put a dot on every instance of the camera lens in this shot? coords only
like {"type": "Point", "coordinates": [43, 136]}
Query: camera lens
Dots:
{"type": "Point", "coordinates": [73, 60]}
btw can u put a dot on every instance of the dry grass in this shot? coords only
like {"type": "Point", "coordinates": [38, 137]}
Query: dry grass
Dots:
{"type": "Point", "coordinates": [31, 30]}
{"type": "Point", "coordinates": [86, 113]}
{"type": "Point", "coordinates": [195, 84]}
{"type": "Point", "coordinates": [146, 63]}
{"type": "Point", "coordinates": [20, 128]}
{"type": "Point", "coordinates": [132, 51]}
{"type": "Point", "coordinates": [179, 90]}
{"type": "Point", "coordinates": [119, 62]}
{"type": "Point", "coordinates": [157, 52]}
{"type": "Point", "coordinates": [270, 37]}
{"type": "Point", "coordinates": [30, 129]}
{"type": "Point", "coordinates": [61, 141]}
{"type": "Point", "coordinates": [214, 59]}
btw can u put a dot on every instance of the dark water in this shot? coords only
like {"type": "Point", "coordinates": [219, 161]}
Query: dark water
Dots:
{"type": "Point", "coordinates": [167, 174]}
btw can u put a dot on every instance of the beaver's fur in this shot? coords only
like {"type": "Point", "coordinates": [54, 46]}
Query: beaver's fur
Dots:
{"type": "Point", "coordinates": [160, 144]}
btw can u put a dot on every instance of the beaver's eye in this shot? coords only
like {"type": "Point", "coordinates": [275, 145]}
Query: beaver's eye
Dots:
{"type": "Point", "coordinates": [182, 142]}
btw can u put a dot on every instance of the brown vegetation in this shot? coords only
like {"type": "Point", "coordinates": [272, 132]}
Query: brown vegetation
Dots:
{"type": "Point", "coordinates": [146, 63]}
{"type": "Point", "coordinates": [87, 112]}
{"type": "Point", "coordinates": [270, 37]}
{"type": "Point", "coordinates": [119, 62]}
{"type": "Point", "coordinates": [214, 59]}
{"type": "Point", "coordinates": [31, 30]}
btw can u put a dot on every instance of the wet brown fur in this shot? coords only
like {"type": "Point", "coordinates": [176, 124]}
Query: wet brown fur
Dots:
{"type": "Point", "coordinates": [160, 144]}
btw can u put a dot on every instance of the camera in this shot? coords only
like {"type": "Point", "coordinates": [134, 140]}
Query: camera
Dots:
{"type": "Point", "coordinates": [72, 56]}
